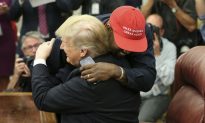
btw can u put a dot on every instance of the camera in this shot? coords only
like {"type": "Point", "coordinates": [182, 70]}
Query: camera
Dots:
{"type": "Point", "coordinates": [27, 60]}
{"type": "Point", "coordinates": [156, 30]}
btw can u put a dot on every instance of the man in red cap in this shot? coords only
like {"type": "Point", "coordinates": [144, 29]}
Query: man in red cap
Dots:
{"type": "Point", "coordinates": [133, 38]}
{"type": "Point", "coordinates": [129, 30]}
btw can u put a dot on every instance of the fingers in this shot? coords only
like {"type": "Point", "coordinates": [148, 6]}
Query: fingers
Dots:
{"type": "Point", "coordinates": [26, 72]}
{"type": "Point", "coordinates": [26, 69]}
{"type": "Point", "coordinates": [87, 73]}
{"type": "Point", "coordinates": [44, 50]}
{"type": "Point", "coordinates": [96, 72]}
{"type": "Point", "coordinates": [92, 80]}
{"type": "Point", "coordinates": [89, 77]}
{"type": "Point", "coordinates": [19, 68]}
{"type": "Point", "coordinates": [18, 60]}
{"type": "Point", "coordinates": [19, 63]}
{"type": "Point", "coordinates": [86, 67]}
{"type": "Point", "coordinates": [50, 43]}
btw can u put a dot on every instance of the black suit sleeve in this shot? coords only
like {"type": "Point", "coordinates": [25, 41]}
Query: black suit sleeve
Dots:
{"type": "Point", "coordinates": [60, 98]}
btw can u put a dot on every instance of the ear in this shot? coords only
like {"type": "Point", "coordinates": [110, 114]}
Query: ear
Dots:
{"type": "Point", "coordinates": [83, 52]}
{"type": "Point", "coordinates": [161, 32]}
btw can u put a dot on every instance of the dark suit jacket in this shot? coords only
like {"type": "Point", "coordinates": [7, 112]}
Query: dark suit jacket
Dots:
{"type": "Point", "coordinates": [56, 13]}
{"type": "Point", "coordinates": [81, 102]}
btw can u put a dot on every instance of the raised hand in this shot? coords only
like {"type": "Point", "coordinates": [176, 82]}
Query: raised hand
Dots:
{"type": "Point", "coordinates": [3, 8]}
{"type": "Point", "coordinates": [44, 50]}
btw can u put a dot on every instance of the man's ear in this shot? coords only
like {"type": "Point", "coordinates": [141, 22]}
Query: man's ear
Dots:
{"type": "Point", "coordinates": [83, 52]}
{"type": "Point", "coordinates": [162, 32]}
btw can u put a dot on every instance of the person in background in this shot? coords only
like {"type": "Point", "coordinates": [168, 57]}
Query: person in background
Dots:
{"type": "Point", "coordinates": [7, 44]}
{"type": "Point", "coordinates": [179, 21]}
{"type": "Point", "coordinates": [21, 79]}
{"type": "Point", "coordinates": [43, 16]}
{"type": "Point", "coordinates": [83, 37]}
{"type": "Point", "coordinates": [155, 102]}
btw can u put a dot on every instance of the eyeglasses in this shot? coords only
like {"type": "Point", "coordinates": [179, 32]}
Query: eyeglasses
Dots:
{"type": "Point", "coordinates": [30, 47]}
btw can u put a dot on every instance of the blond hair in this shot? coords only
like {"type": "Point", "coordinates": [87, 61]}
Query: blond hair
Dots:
{"type": "Point", "coordinates": [86, 31]}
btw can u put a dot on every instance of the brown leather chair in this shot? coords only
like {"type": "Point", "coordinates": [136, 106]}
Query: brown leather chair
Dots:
{"type": "Point", "coordinates": [187, 105]}
{"type": "Point", "coordinates": [20, 108]}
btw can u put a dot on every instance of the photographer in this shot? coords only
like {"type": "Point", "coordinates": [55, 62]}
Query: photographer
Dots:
{"type": "Point", "coordinates": [155, 102]}
{"type": "Point", "coordinates": [180, 21]}
{"type": "Point", "coordinates": [22, 71]}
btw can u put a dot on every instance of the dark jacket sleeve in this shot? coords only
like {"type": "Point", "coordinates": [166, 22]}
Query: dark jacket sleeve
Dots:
{"type": "Point", "coordinates": [15, 10]}
{"type": "Point", "coordinates": [61, 98]}
{"type": "Point", "coordinates": [142, 75]}
{"type": "Point", "coordinates": [57, 56]}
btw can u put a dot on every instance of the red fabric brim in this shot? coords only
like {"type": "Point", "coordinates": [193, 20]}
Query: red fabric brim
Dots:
{"type": "Point", "coordinates": [129, 44]}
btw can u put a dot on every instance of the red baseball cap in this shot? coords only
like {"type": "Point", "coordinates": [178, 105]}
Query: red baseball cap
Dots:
{"type": "Point", "coordinates": [128, 25]}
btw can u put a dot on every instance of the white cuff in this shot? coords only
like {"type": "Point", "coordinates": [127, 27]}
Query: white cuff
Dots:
{"type": "Point", "coordinates": [39, 61]}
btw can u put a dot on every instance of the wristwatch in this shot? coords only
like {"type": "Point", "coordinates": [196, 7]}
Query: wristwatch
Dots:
{"type": "Point", "coordinates": [174, 10]}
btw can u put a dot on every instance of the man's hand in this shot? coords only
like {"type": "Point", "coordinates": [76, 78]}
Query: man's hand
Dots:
{"type": "Point", "coordinates": [44, 50]}
{"type": "Point", "coordinates": [100, 71]}
{"type": "Point", "coordinates": [156, 45]}
{"type": "Point", "coordinates": [170, 3]}
{"type": "Point", "coordinates": [3, 8]}
{"type": "Point", "coordinates": [21, 68]}
{"type": "Point", "coordinates": [146, 8]}
{"type": "Point", "coordinates": [27, 72]}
